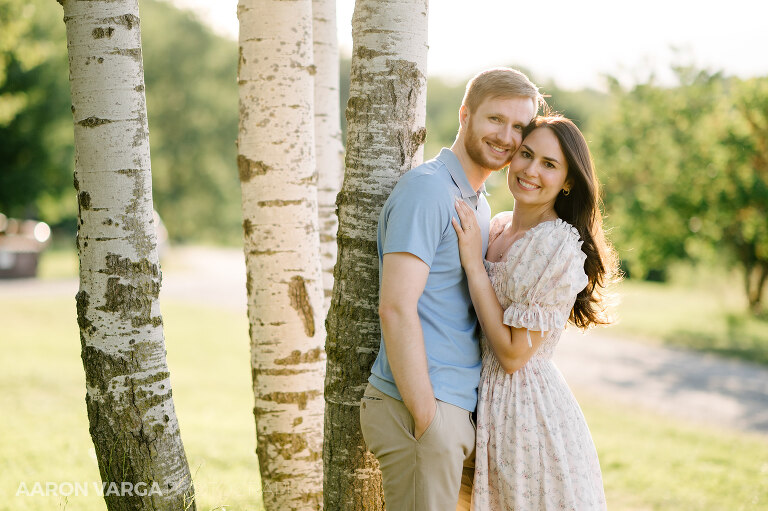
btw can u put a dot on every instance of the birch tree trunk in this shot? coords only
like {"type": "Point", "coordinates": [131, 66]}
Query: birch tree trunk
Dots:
{"type": "Point", "coordinates": [385, 132]}
{"type": "Point", "coordinates": [132, 419]}
{"type": "Point", "coordinates": [328, 147]}
{"type": "Point", "coordinates": [279, 194]}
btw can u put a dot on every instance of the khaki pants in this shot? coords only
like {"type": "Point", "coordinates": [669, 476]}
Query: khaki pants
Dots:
{"type": "Point", "coordinates": [425, 474]}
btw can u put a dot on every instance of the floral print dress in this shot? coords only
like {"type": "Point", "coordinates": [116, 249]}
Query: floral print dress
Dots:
{"type": "Point", "coordinates": [534, 449]}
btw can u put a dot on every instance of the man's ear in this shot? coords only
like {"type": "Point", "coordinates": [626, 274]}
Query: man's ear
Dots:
{"type": "Point", "coordinates": [463, 116]}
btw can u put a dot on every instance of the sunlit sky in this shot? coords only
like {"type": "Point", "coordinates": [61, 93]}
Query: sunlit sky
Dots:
{"type": "Point", "coordinates": [574, 43]}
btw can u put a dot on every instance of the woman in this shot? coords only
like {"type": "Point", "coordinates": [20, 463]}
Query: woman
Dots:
{"type": "Point", "coordinates": [547, 263]}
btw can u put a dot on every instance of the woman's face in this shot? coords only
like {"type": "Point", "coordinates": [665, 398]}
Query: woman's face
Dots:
{"type": "Point", "coordinates": [538, 170]}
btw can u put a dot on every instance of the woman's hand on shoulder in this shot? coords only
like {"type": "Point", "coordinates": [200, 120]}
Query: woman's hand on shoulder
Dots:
{"type": "Point", "coordinates": [470, 238]}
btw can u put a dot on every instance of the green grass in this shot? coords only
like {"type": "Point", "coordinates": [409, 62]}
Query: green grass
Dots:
{"type": "Point", "coordinates": [44, 432]}
{"type": "Point", "coordinates": [701, 310]}
{"type": "Point", "coordinates": [57, 263]}
{"type": "Point", "coordinates": [649, 463]}
{"type": "Point", "coordinates": [652, 463]}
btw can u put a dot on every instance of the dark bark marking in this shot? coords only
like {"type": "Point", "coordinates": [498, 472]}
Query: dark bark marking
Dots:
{"type": "Point", "coordinates": [248, 285]}
{"type": "Point", "coordinates": [247, 228]}
{"type": "Point", "coordinates": [133, 301]}
{"type": "Point", "coordinates": [281, 372]}
{"type": "Point", "coordinates": [286, 445]}
{"type": "Point", "coordinates": [129, 172]}
{"type": "Point", "coordinates": [124, 267]}
{"type": "Point", "coordinates": [91, 122]}
{"type": "Point", "coordinates": [297, 357]}
{"type": "Point", "coordinates": [249, 168]}
{"type": "Point", "coordinates": [126, 20]}
{"type": "Point", "coordinates": [292, 398]}
{"type": "Point", "coordinates": [297, 292]}
{"type": "Point", "coordinates": [100, 32]}
{"type": "Point", "coordinates": [84, 200]}
{"type": "Point", "coordinates": [279, 203]}
{"type": "Point", "coordinates": [85, 324]}
{"type": "Point", "coordinates": [264, 252]}
{"type": "Point", "coordinates": [134, 53]}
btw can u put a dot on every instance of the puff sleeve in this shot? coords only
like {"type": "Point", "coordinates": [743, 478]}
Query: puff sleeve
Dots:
{"type": "Point", "coordinates": [545, 275]}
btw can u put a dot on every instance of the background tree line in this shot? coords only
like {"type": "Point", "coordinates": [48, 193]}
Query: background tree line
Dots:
{"type": "Point", "coordinates": [685, 167]}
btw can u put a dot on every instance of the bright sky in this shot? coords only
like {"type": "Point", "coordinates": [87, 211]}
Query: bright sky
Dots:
{"type": "Point", "coordinates": [572, 42]}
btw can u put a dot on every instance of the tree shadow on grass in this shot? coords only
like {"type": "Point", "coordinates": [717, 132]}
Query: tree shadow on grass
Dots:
{"type": "Point", "coordinates": [737, 343]}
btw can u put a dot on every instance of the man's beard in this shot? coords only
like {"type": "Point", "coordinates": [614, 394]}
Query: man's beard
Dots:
{"type": "Point", "coordinates": [474, 147]}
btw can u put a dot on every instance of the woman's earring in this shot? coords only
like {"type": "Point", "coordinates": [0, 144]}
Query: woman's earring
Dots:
{"type": "Point", "coordinates": [566, 191]}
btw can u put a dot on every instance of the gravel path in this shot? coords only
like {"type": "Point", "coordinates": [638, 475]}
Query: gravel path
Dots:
{"type": "Point", "coordinates": [674, 382]}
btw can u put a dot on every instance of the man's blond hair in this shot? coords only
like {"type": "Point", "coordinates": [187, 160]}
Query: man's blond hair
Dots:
{"type": "Point", "coordinates": [500, 82]}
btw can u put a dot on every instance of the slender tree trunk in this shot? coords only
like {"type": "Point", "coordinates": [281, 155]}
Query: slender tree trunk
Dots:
{"type": "Point", "coordinates": [328, 147]}
{"type": "Point", "coordinates": [755, 277]}
{"type": "Point", "coordinates": [385, 132]}
{"type": "Point", "coordinates": [279, 193]}
{"type": "Point", "coordinates": [130, 410]}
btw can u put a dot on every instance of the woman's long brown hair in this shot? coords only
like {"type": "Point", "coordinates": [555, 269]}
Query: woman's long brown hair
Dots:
{"type": "Point", "coordinates": [581, 208]}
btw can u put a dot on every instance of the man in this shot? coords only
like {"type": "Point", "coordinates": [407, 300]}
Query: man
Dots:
{"type": "Point", "coordinates": [416, 413]}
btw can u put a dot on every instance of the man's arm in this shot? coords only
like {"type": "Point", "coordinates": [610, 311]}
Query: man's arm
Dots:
{"type": "Point", "coordinates": [403, 279]}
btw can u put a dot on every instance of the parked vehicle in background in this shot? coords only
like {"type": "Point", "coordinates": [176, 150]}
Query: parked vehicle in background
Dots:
{"type": "Point", "coordinates": [21, 243]}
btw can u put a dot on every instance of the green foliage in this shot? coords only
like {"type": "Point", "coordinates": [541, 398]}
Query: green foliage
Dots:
{"type": "Point", "coordinates": [742, 195]}
{"type": "Point", "coordinates": [35, 121]}
{"type": "Point", "coordinates": [191, 84]}
{"type": "Point", "coordinates": [443, 102]}
{"type": "Point", "coordinates": [685, 174]}
{"type": "Point", "coordinates": [191, 87]}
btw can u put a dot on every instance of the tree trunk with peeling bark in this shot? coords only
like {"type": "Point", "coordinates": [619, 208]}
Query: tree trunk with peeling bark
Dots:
{"type": "Point", "coordinates": [276, 162]}
{"type": "Point", "coordinates": [385, 132]}
{"type": "Point", "coordinates": [329, 151]}
{"type": "Point", "coordinates": [132, 419]}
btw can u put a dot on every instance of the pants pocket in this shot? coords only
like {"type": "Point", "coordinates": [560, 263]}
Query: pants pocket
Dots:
{"type": "Point", "coordinates": [433, 426]}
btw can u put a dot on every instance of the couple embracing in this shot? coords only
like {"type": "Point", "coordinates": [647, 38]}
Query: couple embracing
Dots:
{"type": "Point", "coordinates": [464, 407]}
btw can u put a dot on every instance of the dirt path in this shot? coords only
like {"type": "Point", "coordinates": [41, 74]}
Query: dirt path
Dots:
{"type": "Point", "coordinates": [675, 382]}
{"type": "Point", "coordinates": [678, 383]}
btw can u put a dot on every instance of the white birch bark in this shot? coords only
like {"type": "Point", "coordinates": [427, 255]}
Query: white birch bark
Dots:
{"type": "Point", "coordinates": [132, 420]}
{"type": "Point", "coordinates": [279, 195]}
{"type": "Point", "coordinates": [329, 151]}
{"type": "Point", "coordinates": [385, 132]}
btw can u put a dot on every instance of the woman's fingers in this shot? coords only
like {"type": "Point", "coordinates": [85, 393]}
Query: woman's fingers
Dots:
{"type": "Point", "coordinates": [457, 228]}
{"type": "Point", "coordinates": [461, 210]}
{"type": "Point", "coordinates": [467, 217]}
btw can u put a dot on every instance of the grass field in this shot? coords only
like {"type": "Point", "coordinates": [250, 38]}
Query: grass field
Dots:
{"type": "Point", "coordinates": [700, 309]}
{"type": "Point", "coordinates": [649, 463]}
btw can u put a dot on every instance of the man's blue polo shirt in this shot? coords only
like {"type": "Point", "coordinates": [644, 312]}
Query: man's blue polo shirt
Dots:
{"type": "Point", "coordinates": [417, 219]}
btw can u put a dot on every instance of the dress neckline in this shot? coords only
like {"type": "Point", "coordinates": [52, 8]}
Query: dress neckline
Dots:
{"type": "Point", "coordinates": [527, 234]}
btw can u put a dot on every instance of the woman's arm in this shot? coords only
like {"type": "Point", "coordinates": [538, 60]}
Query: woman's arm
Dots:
{"type": "Point", "coordinates": [509, 344]}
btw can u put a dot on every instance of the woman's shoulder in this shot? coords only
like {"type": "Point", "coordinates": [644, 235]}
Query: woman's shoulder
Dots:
{"type": "Point", "coordinates": [554, 239]}
{"type": "Point", "coordinates": [557, 229]}
{"type": "Point", "coordinates": [498, 222]}
{"type": "Point", "coordinates": [550, 260]}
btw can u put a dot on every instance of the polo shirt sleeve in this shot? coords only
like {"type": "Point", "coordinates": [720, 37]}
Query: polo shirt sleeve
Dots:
{"type": "Point", "coordinates": [416, 218]}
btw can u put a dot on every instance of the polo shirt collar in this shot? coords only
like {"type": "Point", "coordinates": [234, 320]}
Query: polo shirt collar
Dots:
{"type": "Point", "coordinates": [458, 175]}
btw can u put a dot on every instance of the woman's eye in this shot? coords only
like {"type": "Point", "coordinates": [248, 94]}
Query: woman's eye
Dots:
{"type": "Point", "coordinates": [549, 165]}
{"type": "Point", "coordinates": [525, 154]}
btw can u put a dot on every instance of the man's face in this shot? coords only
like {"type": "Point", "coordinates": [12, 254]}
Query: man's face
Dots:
{"type": "Point", "coordinates": [495, 130]}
